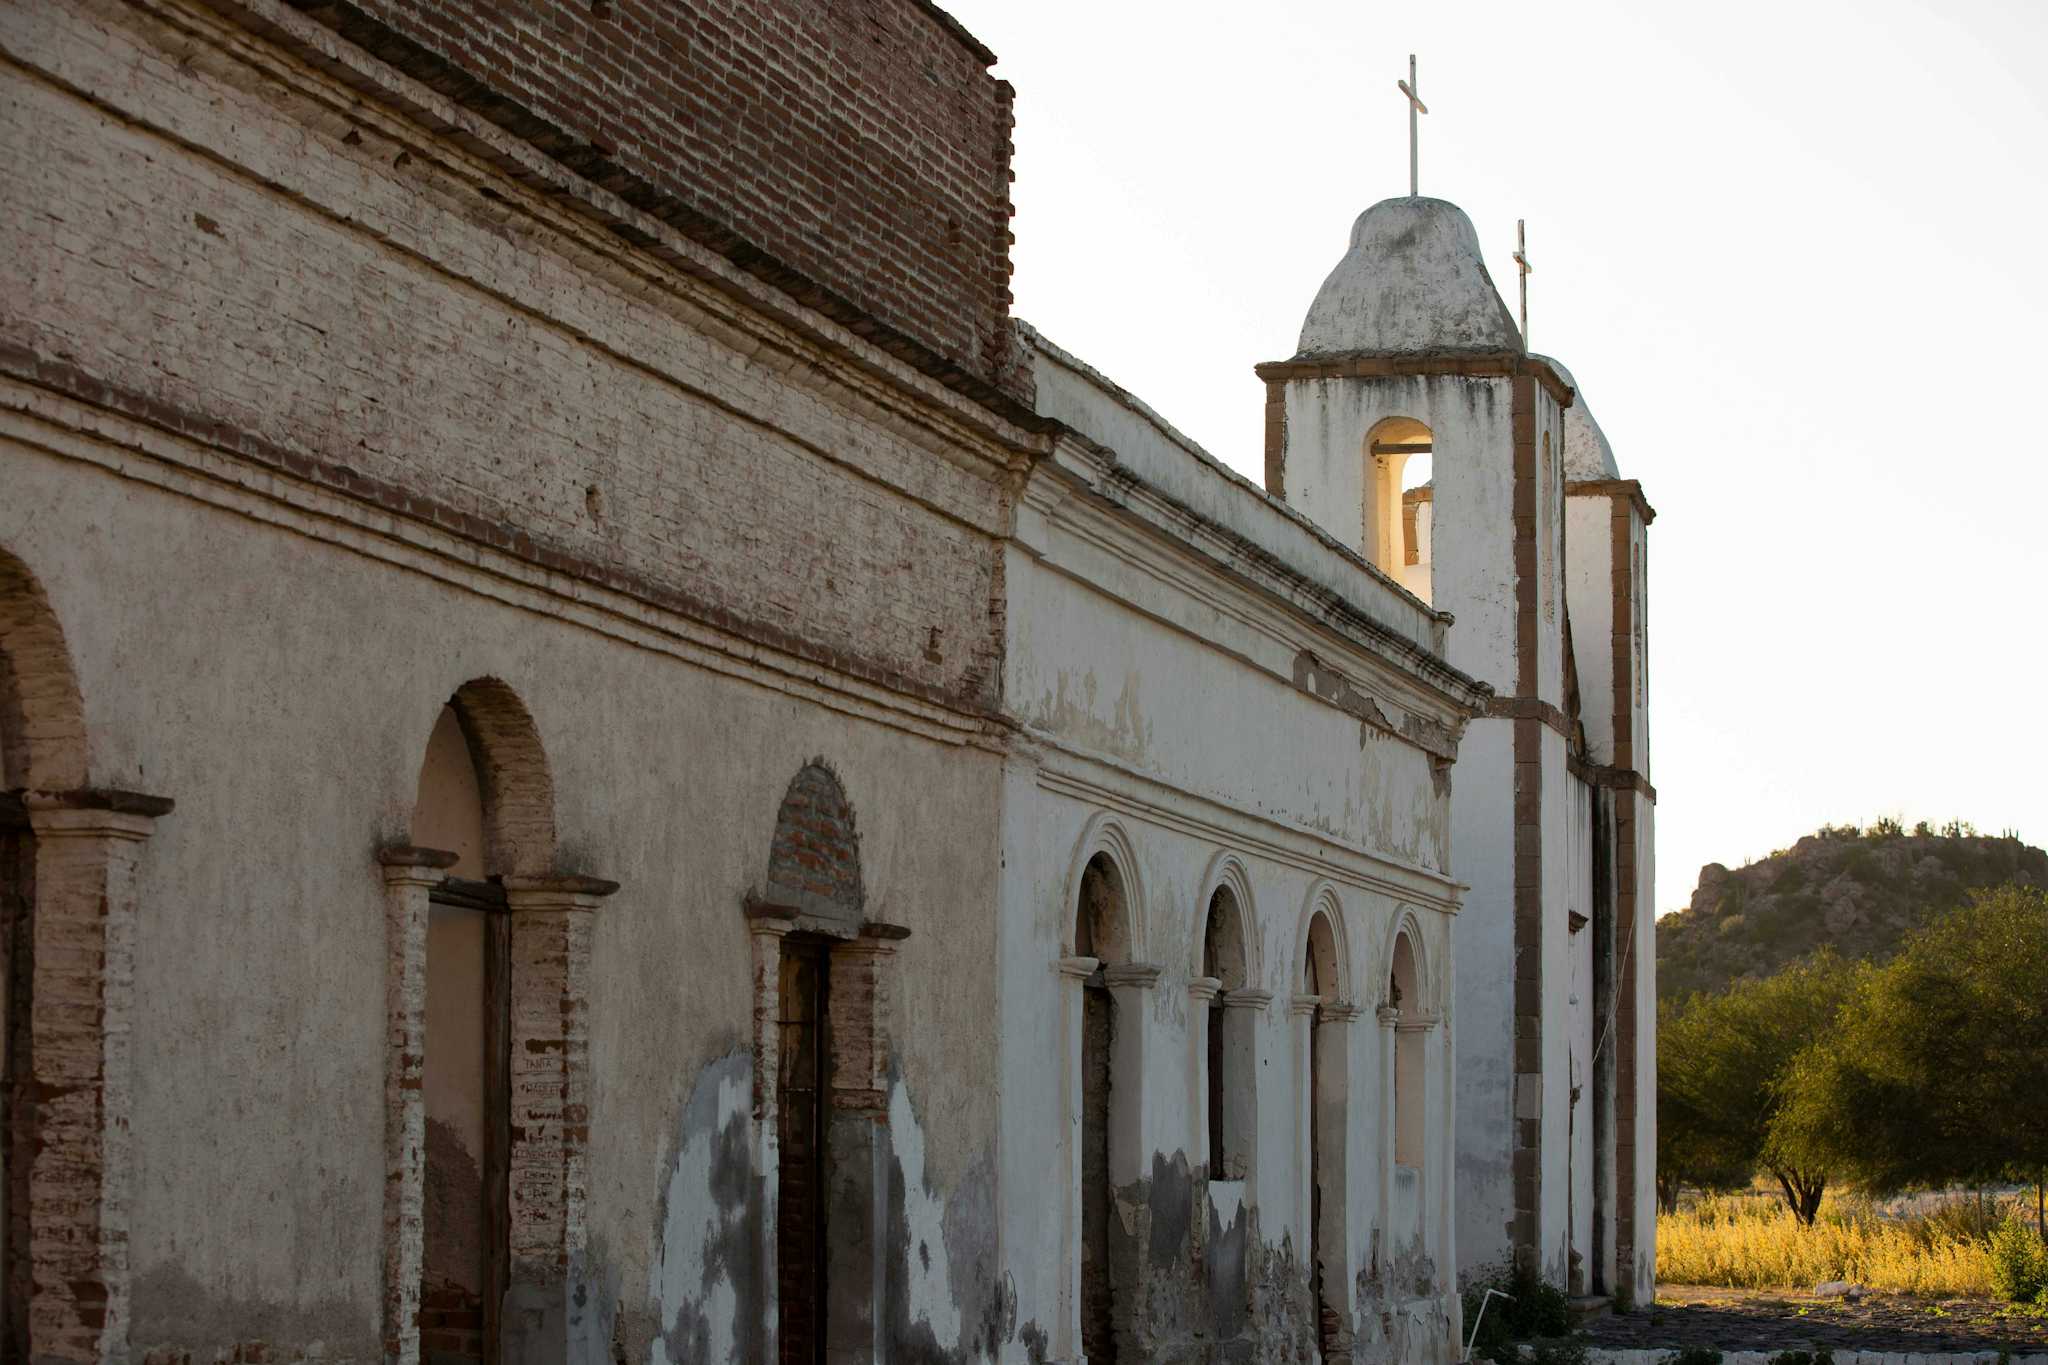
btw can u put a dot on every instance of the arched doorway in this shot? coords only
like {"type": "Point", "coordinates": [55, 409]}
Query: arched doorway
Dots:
{"type": "Point", "coordinates": [1101, 923]}
{"type": "Point", "coordinates": [485, 800]}
{"type": "Point", "coordinates": [1322, 1002]}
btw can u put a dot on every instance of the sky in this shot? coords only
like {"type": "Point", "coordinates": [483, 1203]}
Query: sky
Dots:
{"type": "Point", "coordinates": [1791, 251]}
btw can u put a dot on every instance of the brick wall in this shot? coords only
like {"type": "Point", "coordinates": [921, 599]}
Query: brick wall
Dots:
{"type": "Point", "coordinates": [342, 308]}
{"type": "Point", "coordinates": [857, 152]}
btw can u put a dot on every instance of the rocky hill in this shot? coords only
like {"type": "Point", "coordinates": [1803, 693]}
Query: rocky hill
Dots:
{"type": "Point", "coordinates": [1857, 891]}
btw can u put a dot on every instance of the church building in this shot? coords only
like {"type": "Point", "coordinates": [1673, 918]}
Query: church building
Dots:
{"type": "Point", "coordinates": [604, 760]}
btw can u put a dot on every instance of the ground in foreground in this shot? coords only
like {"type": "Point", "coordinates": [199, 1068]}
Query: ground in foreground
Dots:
{"type": "Point", "coordinates": [1787, 1320]}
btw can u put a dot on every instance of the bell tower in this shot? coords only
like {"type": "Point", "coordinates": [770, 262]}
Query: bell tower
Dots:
{"type": "Point", "coordinates": [1408, 352]}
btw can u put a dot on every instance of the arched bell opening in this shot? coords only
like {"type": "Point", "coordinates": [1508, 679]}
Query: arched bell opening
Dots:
{"type": "Point", "coordinates": [1399, 505]}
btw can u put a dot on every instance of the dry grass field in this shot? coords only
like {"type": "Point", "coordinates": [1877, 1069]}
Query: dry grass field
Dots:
{"type": "Point", "coordinates": [1751, 1241]}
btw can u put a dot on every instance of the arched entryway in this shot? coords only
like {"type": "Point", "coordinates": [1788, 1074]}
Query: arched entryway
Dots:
{"type": "Point", "coordinates": [824, 981]}
{"type": "Point", "coordinates": [1324, 1014]}
{"type": "Point", "coordinates": [488, 1074]}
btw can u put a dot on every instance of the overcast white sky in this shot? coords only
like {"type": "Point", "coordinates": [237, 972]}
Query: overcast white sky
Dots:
{"type": "Point", "coordinates": [1792, 252]}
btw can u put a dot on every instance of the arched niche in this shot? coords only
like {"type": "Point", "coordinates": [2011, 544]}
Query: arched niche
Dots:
{"type": "Point", "coordinates": [1230, 1071]}
{"type": "Point", "coordinates": [814, 853]}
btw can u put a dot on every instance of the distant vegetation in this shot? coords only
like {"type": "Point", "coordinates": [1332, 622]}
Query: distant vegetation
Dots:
{"type": "Point", "coordinates": [1907, 1052]}
{"type": "Point", "coordinates": [1859, 891]}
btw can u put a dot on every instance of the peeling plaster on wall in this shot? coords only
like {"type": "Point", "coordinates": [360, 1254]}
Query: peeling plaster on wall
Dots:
{"type": "Point", "coordinates": [1189, 1283]}
{"type": "Point", "coordinates": [706, 1285]}
{"type": "Point", "coordinates": [1071, 710]}
{"type": "Point", "coordinates": [1314, 676]}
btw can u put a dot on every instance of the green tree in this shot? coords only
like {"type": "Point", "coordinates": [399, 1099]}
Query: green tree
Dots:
{"type": "Point", "coordinates": [1938, 1071]}
{"type": "Point", "coordinates": [1722, 1062]}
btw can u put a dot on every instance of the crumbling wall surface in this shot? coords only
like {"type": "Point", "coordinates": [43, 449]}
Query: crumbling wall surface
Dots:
{"type": "Point", "coordinates": [210, 234]}
{"type": "Point", "coordinates": [1190, 1287]}
{"type": "Point", "coordinates": [861, 152]}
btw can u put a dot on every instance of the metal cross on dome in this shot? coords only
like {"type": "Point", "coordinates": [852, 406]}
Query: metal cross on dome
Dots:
{"type": "Point", "coordinates": [1522, 265]}
{"type": "Point", "coordinates": [1415, 106]}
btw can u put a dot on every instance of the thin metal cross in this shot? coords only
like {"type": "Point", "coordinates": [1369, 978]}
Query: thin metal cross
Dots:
{"type": "Point", "coordinates": [1415, 106]}
{"type": "Point", "coordinates": [1522, 265]}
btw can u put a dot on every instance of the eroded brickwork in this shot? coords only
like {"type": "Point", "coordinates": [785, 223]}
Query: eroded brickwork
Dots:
{"type": "Point", "coordinates": [856, 153]}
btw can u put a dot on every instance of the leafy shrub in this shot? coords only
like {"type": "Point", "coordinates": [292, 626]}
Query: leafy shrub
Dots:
{"type": "Point", "coordinates": [2019, 1263]}
{"type": "Point", "coordinates": [1563, 1351]}
{"type": "Point", "coordinates": [1533, 1309]}
{"type": "Point", "coordinates": [1820, 1357]}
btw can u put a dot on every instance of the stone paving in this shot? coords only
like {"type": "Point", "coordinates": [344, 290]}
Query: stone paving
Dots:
{"type": "Point", "coordinates": [1896, 1329]}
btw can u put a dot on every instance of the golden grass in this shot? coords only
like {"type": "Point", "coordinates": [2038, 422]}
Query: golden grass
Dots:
{"type": "Point", "coordinates": [1753, 1242]}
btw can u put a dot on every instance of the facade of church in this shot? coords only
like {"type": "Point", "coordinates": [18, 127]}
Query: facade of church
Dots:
{"type": "Point", "coordinates": [606, 761]}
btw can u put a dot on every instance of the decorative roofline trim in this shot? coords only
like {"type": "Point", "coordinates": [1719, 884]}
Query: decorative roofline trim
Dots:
{"type": "Point", "coordinates": [1632, 489]}
{"type": "Point", "coordinates": [1400, 364]}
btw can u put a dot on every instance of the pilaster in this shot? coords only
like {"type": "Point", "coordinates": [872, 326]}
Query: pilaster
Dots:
{"type": "Point", "coordinates": [546, 1306]}
{"type": "Point", "coordinates": [410, 876]}
{"type": "Point", "coordinates": [71, 1092]}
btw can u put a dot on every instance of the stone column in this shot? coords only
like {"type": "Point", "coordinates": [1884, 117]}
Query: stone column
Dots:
{"type": "Point", "coordinates": [1301, 1019]}
{"type": "Point", "coordinates": [1333, 1041]}
{"type": "Point", "coordinates": [1242, 1011]}
{"type": "Point", "coordinates": [73, 1111]}
{"type": "Point", "coordinates": [1429, 1087]}
{"type": "Point", "coordinates": [1390, 1134]}
{"type": "Point", "coordinates": [1073, 973]}
{"type": "Point", "coordinates": [548, 1311]}
{"type": "Point", "coordinates": [410, 876]}
{"type": "Point", "coordinates": [1201, 991]}
{"type": "Point", "coordinates": [1130, 1128]}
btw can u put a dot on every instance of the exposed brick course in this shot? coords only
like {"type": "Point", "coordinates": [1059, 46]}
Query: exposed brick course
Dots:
{"type": "Point", "coordinates": [855, 152]}
{"type": "Point", "coordinates": [352, 311]}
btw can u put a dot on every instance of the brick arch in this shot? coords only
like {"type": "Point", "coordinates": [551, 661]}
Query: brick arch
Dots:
{"type": "Point", "coordinates": [42, 715]}
{"type": "Point", "coordinates": [512, 767]}
{"type": "Point", "coordinates": [814, 857]}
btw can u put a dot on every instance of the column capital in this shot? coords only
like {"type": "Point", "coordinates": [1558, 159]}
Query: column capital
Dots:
{"type": "Point", "coordinates": [528, 894]}
{"type": "Point", "coordinates": [1341, 1012]}
{"type": "Point", "coordinates": [1417, 1023]}
{"type": "Point", "coordinates": [1303, 1006]}
{"type": "Point", "coordinates": [1076, 968]}
{"type": "Point", "coordinates": [411, 865]}
{"type": "Point", "coordinates": [1203, 989]}
{"type": "Point", "coordinates": [1247, 998]}
{"type": "Point", "coordinates": [88, 812]}
{"type": "Point", "coordinates": [1136, 975]}
{"type": "Point", "coordinates": [1389, 1016]}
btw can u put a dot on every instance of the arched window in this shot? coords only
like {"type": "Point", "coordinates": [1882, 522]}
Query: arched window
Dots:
{"type": "Point", "coordinates": [1101, 931]}
{"type": "Point", "coordinates": [1231, 1111]}
{"type": "Point", "coordinates": [1321, 972]}
{"type": "Point", "coordinates": [1408, 1114]}
{"type": "Point", "coordinates": [1400, 502]}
